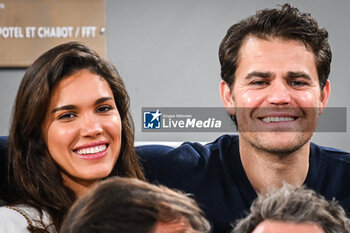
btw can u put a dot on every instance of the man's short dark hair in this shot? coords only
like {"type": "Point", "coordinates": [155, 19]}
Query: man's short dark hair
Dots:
{"type": "Point", "coordinates": [287, 23]}
{"type": "Point", "coordinates": [124, 205]}
{"type": "Point", "coordinates": [295, 205]}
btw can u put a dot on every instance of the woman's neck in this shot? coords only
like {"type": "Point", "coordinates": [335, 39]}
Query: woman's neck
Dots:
{"type": "Point", "coordinates": [79, 187]}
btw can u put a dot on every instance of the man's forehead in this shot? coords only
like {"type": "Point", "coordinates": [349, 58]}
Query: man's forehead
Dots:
{"type": "Point", "coordinates": [270, 54]}
{"type": "Point", "coordinates": [275, 226]}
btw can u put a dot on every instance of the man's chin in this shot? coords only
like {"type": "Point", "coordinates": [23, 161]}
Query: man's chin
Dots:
{"type": "Point", "coordinates": [278, 143]}
{"type": "Point", "coordinates": [280, 151]}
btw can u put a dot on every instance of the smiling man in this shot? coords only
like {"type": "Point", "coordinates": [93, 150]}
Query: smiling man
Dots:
{"type": "Point", "coordinates": [276, 97]}
{"type": "Point", "coordinates": [274, 68]}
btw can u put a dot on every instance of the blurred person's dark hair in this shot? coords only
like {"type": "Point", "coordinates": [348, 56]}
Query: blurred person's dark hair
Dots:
{"type": "Point", "coordinates": [124, 205]}
{"type": "Point", "coordinates": [295, 205]}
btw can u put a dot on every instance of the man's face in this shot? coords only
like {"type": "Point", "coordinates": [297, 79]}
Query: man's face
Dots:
{"type": "Point", "coordinates": [272, 226]}
{"type": "Point", "coordinates": [276, 96]}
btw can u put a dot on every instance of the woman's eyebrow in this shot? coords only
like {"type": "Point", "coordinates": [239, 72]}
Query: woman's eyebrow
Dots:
{"type": "Point", "coordinates": [65, 107]}
{"type": "Point", "coordinates": [70, 107]}
{"type": "Point", "coordinates": [103, 99]}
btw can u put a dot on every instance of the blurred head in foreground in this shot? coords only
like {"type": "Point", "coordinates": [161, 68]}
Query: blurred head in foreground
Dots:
{"type": "Point", "coordinates": [293, 209]}
{"type": "Point", "coordinates": [126, 205]}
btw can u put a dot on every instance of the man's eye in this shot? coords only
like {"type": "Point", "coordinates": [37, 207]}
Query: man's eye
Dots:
{"type": "Point", "coordinates": [298, 83]}
{"type": "Point", "coordinates": [104, 108]}
{"type": "Point", "coordinates": [66, 116]}
{"type": "Point", "coordinates": [259, 83]}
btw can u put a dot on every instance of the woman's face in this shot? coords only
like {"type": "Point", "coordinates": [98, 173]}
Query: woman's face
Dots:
{"type": "Point", "coordinates": [82, 129]}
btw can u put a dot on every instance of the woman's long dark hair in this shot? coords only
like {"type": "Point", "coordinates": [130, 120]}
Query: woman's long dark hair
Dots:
{"type": "Point", "coordinates": [34, 177]}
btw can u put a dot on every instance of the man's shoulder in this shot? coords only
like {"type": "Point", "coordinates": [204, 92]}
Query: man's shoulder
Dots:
{"type": "Point", "coordinates": [189, 160]}
{"type": "Point", "coordinates": [330, 154]}
{"type": "Point", "coordinates": [3, 143]}
{"type": "Point", "coordinates": [187, 150]}
{"type": "Point", "coordinates": [329, 174]}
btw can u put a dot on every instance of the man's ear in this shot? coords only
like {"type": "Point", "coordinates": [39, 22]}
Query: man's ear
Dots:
{"type": "Point", "coordinates": [227, 97]}
{"type": "Point", "coordinates": [325, 96]}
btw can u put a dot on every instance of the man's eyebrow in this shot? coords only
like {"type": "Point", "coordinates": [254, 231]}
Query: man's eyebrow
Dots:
{"type": "Point", "coordinates": [71, 107]}
{"type": "Point", "coordinates": [258, 74]}
{"type": "Point", "coordinates": [298, 75]}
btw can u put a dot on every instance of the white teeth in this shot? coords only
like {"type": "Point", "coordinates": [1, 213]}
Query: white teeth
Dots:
{"type": "Point", "coordinates": [91, 150]}
{"type": "Point", "coordinates": [277, 119]}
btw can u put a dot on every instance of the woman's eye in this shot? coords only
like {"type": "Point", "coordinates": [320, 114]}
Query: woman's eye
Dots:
{"type": "Point", "coordinates": [66, 116]}
{"type": "Point", "coordinates": [104, 108]}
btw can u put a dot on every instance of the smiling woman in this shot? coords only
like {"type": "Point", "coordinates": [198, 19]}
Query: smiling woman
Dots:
{"type": "Point", "coordinates": [83, 131]}
{"type": "Point", "coordinates": [71, 128]}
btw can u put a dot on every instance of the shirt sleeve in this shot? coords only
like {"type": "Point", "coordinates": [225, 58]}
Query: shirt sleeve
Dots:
{"type": "Point", "coordinates": [11, 221]}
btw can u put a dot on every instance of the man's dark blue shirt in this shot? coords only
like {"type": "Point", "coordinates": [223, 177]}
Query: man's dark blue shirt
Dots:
{"type": "Point", "coordinates": [214, 174]}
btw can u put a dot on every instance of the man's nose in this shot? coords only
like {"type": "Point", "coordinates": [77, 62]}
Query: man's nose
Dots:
{"type": "Point", "coordinates": [91, 126]}
{"type": "Point", "coordinates": [279, 93]}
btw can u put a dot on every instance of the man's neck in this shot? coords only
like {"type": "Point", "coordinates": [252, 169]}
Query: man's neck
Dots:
{"type": "Point", "coordinates": [266, 170]}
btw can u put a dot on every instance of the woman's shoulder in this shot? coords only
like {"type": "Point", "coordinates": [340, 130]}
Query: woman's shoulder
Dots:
{"type": "Point", "coordinates": [12, 220]}
{"type": "Point", "coordinates": [18, 217]}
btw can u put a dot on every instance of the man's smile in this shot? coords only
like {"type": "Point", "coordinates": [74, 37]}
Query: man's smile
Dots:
{"type": "Point", "coordinates": [272, 119]}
